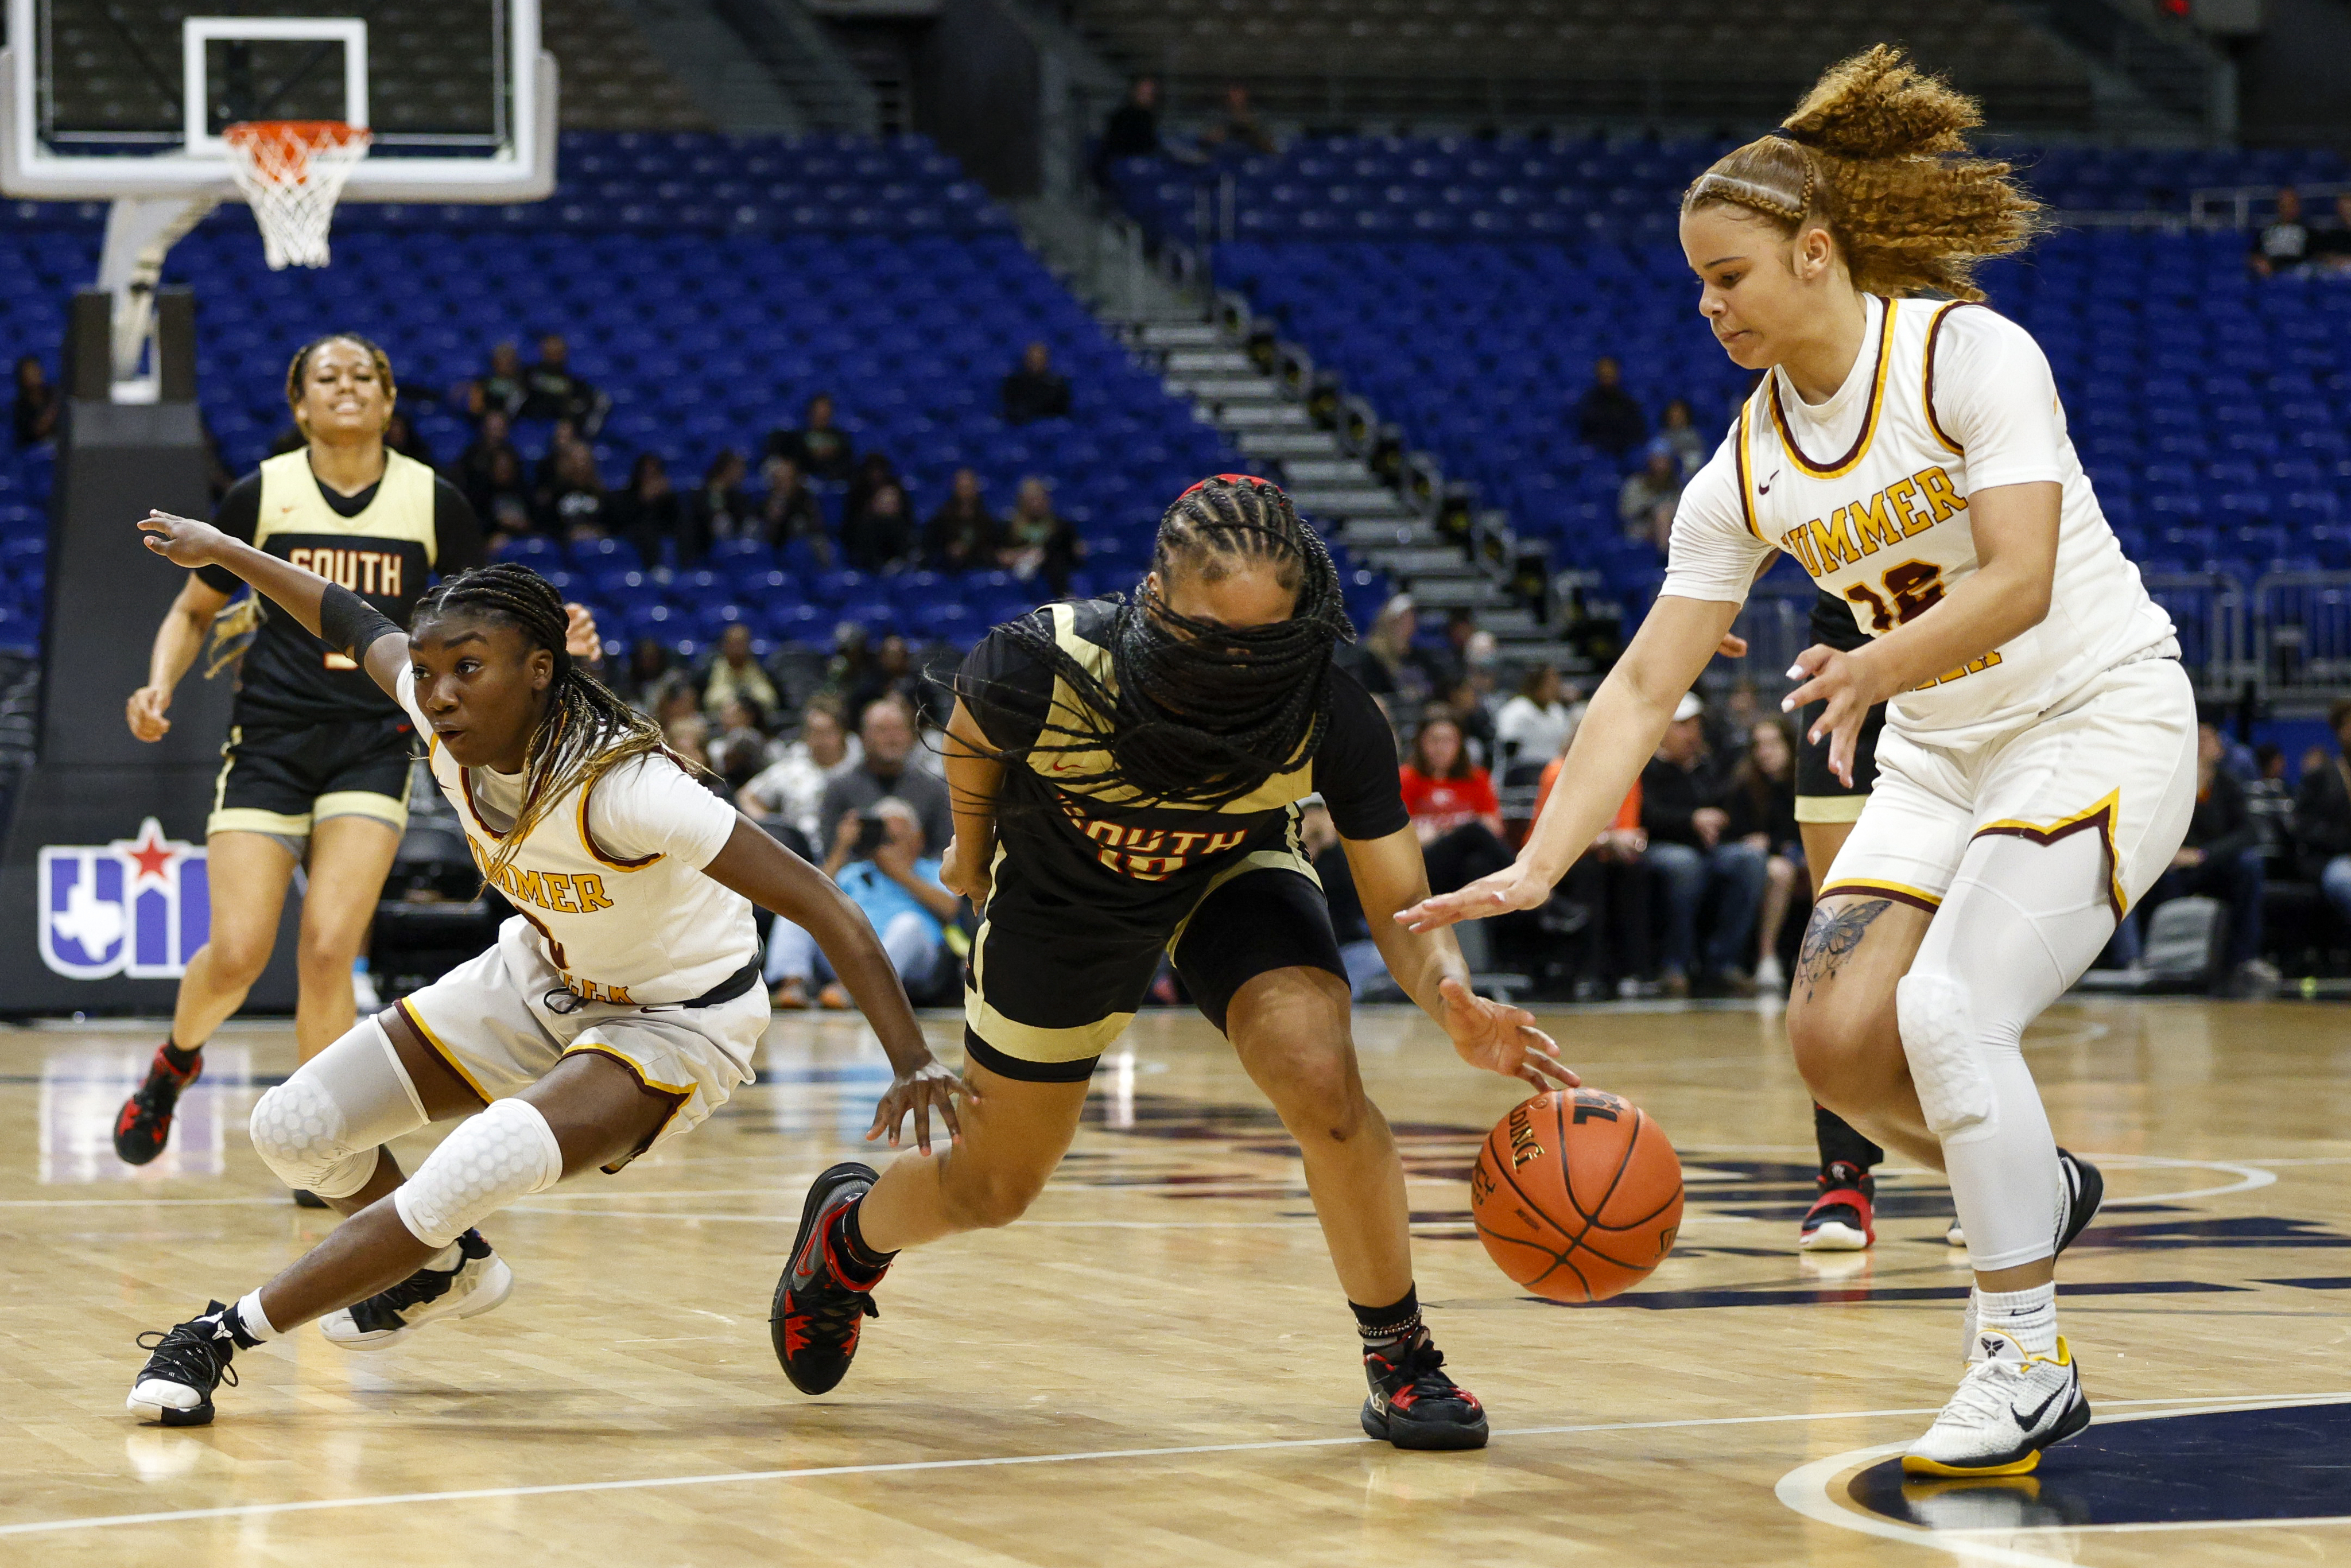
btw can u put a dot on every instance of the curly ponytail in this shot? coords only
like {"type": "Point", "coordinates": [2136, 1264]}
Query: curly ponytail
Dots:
{"type": "Point", "coordinates": [1877, 154]}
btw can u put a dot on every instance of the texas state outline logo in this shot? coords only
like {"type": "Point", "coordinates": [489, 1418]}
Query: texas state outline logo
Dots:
{"type": "Point", "coordinates": [139, 906]}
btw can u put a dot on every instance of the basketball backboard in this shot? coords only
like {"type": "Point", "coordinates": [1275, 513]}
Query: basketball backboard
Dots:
{"type": "Point", "coordinates": [101, 101]}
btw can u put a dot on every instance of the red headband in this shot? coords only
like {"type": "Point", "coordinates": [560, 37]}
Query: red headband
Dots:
{"type": "Point", "coordinates": [1233, 479]}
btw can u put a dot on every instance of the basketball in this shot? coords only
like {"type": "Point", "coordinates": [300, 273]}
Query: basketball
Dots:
{"type": "Point", "coordinates": [1577, 1195]}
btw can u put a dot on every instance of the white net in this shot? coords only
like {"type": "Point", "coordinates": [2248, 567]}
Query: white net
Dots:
{"type": "Point", "coordinates": [290, 171]}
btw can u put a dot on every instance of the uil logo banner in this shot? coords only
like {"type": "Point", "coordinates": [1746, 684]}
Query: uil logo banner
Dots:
{"type": "Point", "coordinates": [138, 906]}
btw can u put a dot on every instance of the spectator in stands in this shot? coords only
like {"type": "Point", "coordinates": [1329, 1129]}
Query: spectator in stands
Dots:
{"type": "Point", "coordinates": [789, 510]}
{"type": "Point", "coordinates": [1677, 432]}
{"type": "Point", "coordinates": [886, 768]}
{"type": "Point", "coordinates": [1682, 813]}
{"type": "Point", "coordinates": [739, 749]}
{"type": "Point", "coordinates": [873, 471]}
{"type": "Point", "coordinates": [1646, 502]}
{"type": "Point", "coordinates": [963, 533]}
{"type": "Point", "coordinates": [1455, 813]}
{"type": "Point", "coordinates": [734, 672]}
{"type": "Point", "coordinates": [573, 505]}
{"type": "Point", "coordinates": [1388, 663]}
{"type": "Point", "coordinates": [401, 435]}
{"type": "Point", "coordinates": [718, 509]}
{"type": "Point", "coordinates": [491, 436]}
{"type": "Point", "coordinates": [644, 675]}
{"type": "Point", "coordinates": [1367, 973]}
{"type": "Point", "coordinates": [37, 404]}
{"type": "Point", "coordinates": [785, 796]}
{"type": "Point", "coordinates": [648, 512]}
{"type": "Point", "coordinates": [552, 390]}
{"type": "Point", "coordinates": [506, 510]}
{"type": "Point", "coordinates": [2322, 813]}
{"type": "Point", "coordinates": [890, 672]}
{"type": "Point", "coordinates": [1762, 803]}
{"type": "Point", "coordinates": [2222, 857]}
{"type": "Point", "coordinates": [1449, 662]}
{"type": "Point", "coordinates": [879, 536]}
{"type": "Point", "coordinates": [1240, 129]}
{"type": "Point", "coordinates": [880, 859]}
{"type": "Point", "coordinates": [1606, 416]}
{"type": "Point", "coordinates": [1608, 893]}
{"type": "Point", "coordinates": [1534, 726]}
{"type": "Point", "coordinates": [498, 389]}
{"type": "Point", "coordinates": [688, 735]}
{"type": "Point", "coordinates": [2282, 244]}
{"type": "Point", "coordinates": [822, 451]}
{"type": "Point", "coordinates": [2330, 247]}
{"type": "Point", "coordinates": [1131, 131]}
{"type": "Point", "coordinates": [1468, 699]}
{"type": "Point", "coordinates": [1038, 542]}
{"type": "Point", "coordinates": [1035, 391]}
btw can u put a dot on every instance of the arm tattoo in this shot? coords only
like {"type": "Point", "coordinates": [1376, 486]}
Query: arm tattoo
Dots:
{"type": "Point", "coordinates": [1831, 938]}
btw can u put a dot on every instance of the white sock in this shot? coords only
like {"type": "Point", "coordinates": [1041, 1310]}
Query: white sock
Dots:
{"type": "Point", "coordinates": [254, 1320]}
{"type": "Point", "coordinates": [2028, 1317]}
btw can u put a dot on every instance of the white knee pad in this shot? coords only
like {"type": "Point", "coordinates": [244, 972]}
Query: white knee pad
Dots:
{"type": "Point", "coordinates": [505, 1153]}
{"type": "Point", "coordinates": [1937, 1021]}
{"type": "Point", "coordinates": [318, 1131]}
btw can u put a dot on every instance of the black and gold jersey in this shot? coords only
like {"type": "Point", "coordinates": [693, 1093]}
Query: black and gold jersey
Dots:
{"type": "Point", "coordinates": [1833, 623]}
{"type": "Point", "coordinates": [383, 544]}
{"type": "Point", "coordinates": [1072, 850]}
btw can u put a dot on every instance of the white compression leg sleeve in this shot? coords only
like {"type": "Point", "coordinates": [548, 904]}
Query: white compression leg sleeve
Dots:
{"type": "Point", "coordinates": [320, 1129]}
{"type": "Point", "coordinates": [505, 1153]}
{"type": "Point", "coordinates": [2020, 924]}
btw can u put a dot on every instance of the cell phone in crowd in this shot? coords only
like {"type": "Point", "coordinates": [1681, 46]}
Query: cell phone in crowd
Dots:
{"type": "Point", "coordinates": [872, 833]}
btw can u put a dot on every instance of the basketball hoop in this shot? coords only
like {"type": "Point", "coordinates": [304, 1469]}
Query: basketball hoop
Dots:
{"type": "Point", "coordinates": [290, 171]}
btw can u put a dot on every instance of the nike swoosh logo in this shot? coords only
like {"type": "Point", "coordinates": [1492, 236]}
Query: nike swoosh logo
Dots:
{"type": "Point", "coordinates": [1765, 487]}
{"type": "Point", "coordinates": [2028, 1422]}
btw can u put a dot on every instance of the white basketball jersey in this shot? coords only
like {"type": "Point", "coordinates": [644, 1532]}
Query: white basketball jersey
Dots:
{"type": "Point", "coordinates": [1884, 526]}
{"type": "Point", "coordinates": [640, 928]}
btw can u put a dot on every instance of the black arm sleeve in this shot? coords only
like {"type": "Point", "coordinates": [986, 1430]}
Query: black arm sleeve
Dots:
{"type": "Point", "coordinates": [239, 517]}
{"type": "Point", "coordinates": [457, 541]}
{"type": "Point", "coordinates": [1355, 771]}
{"type": "Point", "coordinates": [1007, 690]}
{"type": "Point", "coordinates": [350, 623]}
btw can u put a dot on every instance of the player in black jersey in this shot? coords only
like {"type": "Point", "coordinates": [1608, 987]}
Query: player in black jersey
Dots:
{"type": "Point", "coordinates": [1842, 1217]}
{"type": "Point", "coordinates": [316, 767]}
{"type": "Point", "coordinates": [1127, 783]}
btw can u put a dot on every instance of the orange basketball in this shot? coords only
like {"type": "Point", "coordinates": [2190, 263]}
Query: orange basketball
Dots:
{"type": "Point", "coordinates": [1577, 1195]}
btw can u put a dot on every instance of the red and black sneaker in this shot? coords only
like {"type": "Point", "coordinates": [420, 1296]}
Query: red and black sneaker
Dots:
{"type": "Point", "coordinates": [1840, 1219]}
{"type": "Point", "coordinates": [1414, 1404]}
{"type": "Point", "coordinates": [145, 1123]}
{"type": "Point", "coordinates": [819, 1309]}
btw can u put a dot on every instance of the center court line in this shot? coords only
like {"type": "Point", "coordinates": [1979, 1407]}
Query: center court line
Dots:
{"type": "Point", "coordinates": [733, 1477]}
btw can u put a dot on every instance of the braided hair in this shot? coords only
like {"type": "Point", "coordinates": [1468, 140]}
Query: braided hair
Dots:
{"type": "Point", "coordinates": [586, 731]}
{"type": "Point", "coordinates": [1196, 712]}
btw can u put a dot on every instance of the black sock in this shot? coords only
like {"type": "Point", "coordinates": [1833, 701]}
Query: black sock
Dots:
{"type": "Point", "coordinates": [182, 1061]}
{"type": "Point", "coordinates": [1839, 1140]}
{"type": "Point", "coordinates": [1383, 1328]}
{"type": "Point", "coordinates": [862, 1262]}
{"type": "Point", "coordinates": [244, 1337]}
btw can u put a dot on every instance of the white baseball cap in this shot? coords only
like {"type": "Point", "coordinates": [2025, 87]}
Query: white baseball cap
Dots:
{"type": "Point", "coordinates": [1688, 708]}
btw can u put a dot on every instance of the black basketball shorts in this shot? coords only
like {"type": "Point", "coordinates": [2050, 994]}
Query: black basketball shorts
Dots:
{"type": "Point", "coordinates": [1043, 998]}
{"type": "Point", "coordinates": [1820, 796]}
{"type": "Point", "coordinates": [281, 782]}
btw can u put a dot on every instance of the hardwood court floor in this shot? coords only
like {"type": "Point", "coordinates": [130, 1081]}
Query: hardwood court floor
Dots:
{"type": "Point", "coordinates": [1157, 1367]}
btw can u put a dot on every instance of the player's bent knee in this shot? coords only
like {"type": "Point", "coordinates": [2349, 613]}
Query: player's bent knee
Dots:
{"type": "Point", "coordinates": [1940, 1039]}
{"type": "Point", "coordinates": [302, 1134]}
{"type": "Point", "coordinates": [990, 1201]}
{"type": "Point", "coordinates": [509, 1152]}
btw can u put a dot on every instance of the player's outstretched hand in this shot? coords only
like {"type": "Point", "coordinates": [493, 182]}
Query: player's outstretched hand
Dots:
{"type": "Point", "coordinates": [1848, 683]}
{"type": "Point", "coordinates": [1512, 887]}
{"type": "Point", "coordinates": [1502, 1039]}
{"type": "Point", "coordinates": [931, 1084]}
{"type": "Point", "coordinates": [580, 638]}
{"type": "Point", "coordinates": [183, 541]}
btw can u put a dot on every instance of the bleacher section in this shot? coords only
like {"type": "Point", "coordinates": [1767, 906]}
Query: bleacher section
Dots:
{"type": "Point", "coordinates": [2211, 407]}
{"type": "Point", "coordinates": [710, 287]}
{"type": "Point", "coordinates": [1481, 60]}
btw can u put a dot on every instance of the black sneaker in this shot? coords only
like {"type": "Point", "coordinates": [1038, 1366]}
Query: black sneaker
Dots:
{"type": "Point", "coordinates": [145, 1123]}
{"type": "Point", "coordinates": [1414, 1404]}
{"type": "Point", "coordinates": [818, 1312]}
{"type": "Point", "coordinates": [480, 1281]}
{"type": "Point", "coordinates": [186, 1364]}
{"type": "Point", "coordinates": [2085, 1190]}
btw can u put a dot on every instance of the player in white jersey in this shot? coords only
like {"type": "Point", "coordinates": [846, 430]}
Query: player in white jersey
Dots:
{"type": "Point", "coordinates": [2037, 768]}
{"type": "Point", "coordinates": [620, 1007]}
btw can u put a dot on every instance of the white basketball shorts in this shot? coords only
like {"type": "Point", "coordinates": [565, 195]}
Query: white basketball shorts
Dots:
{"type": "Point", "coordinates": [491, 1021]}
{"type": "Point", "coordinates": [2117, 758]}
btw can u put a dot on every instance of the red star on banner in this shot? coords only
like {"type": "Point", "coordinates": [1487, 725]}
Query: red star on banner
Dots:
{"type": "Point", "coordinates": [150, 852]}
